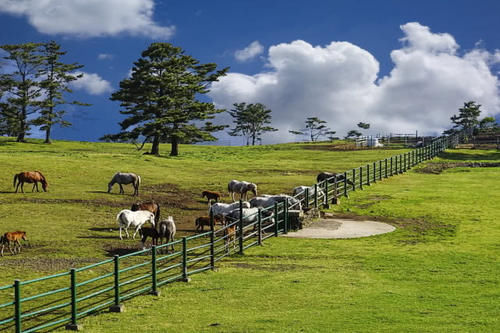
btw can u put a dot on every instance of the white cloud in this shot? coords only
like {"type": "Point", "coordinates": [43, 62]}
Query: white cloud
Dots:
{"type": "Point", "coordinates": [339, 83]}
{"type": "Point", "coordinates": [90, 18]}
{"type": "Point", "coordinates": [251, 51]}
{"type": "Point", "coordinates": [105, 56]}
{"type": "Point", "coordinates": [92, 83]}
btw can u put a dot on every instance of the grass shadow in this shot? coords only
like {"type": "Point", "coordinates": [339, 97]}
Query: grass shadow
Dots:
{"type": "Point", "coordinates": [467, 156]}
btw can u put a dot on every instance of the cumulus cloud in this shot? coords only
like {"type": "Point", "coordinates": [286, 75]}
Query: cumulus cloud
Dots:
{"type": "Point", "coordinates": [339, 83]}
{"type": "Point", "coordinates": [105, 56]}
{"type": "Point", "coordinates": [90, 18]}
{"type": "Point", "coordinates": [251, 51]}
{"type": "Point", "coordinates": [92, 83]}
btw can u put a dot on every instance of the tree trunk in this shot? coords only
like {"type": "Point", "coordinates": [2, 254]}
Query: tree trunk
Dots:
{"type": "Point", "coordinates": [253, 140]}
{"type": "Point", "coordinates": [47, 135]}
{"type": "Point", "coordinates": [155, 149]}
{"type": "Point", "coordinates": [22, 131]}
{"type": "Point", "coordinates": [175, 146]}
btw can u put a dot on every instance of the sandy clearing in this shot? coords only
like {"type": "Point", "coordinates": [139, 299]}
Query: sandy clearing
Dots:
{"type": "Point", "coordinates": [341, 228]}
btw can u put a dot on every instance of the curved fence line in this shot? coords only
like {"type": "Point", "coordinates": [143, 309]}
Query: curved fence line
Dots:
{"type": "Point", "coordinates": [62, 301]}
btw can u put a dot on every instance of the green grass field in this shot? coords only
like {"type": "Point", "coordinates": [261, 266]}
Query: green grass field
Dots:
{"type": "Point", "coordinates": [439, 271]}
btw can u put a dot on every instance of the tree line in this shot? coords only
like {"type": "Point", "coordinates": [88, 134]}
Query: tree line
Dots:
{"type": "Point", "coordinates": [160, 100]}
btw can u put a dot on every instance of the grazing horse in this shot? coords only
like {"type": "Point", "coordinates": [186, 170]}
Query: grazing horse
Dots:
{"type": "Point", "coordinates": [202, 221]}
{"type": "Point", "coordinates": [13, 237]}
{"type": "Point", "coordinates": [30, 177]}
{"type": "Point", "coordinates": [127, 218]}
{"type": "Point", "coordinates": [330, 176]}
{"type": "Point", "coordinates": [242, 188]}
{"type": "Point", "coordinates": [269, 200]}
{"type": "Point", "coordinates": [167, 230]}
{"type": "Point", "coordinates": [151, 206]}
{"type": "Point", "coordinates": [222, 209]}
{"type": "Point", "coordinates": [211, 195]}
{"type": "Point", "coordinates": [149, 232]}
{"type": "Point", "coordinates": [125, 178]}
{"type": "Point", "coordinates": [299, 192]}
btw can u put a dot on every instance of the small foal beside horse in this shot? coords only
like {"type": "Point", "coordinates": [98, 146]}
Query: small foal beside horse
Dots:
{"type": "Point", "coordinates": [123, 178]}
{"type": "Point", "coordinates": [13, 237]}
{"type": "Point", "coordinates": [30, 177]}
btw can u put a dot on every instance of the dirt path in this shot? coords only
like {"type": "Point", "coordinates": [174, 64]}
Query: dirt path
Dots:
{"type": "Point", "coordinates": [341, 228]}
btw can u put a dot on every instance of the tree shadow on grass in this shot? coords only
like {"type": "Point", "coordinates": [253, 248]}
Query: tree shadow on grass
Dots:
{"type": "Point", "coordinates": [459, 156]}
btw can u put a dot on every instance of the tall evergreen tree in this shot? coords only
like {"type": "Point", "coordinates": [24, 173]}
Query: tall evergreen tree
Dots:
{"type": "Point", "coordinates": [251, 121]}
{"type": "Point", "coordinates": [467, 118]}
{"type": "Point", "coordinates": [56, 77]}
{"type": "Point", "coordinates": [314, 128]}
{"type": "Point", "coordinates": [160, 99]}
{"type": "Point", "coordinates": [21, 87]}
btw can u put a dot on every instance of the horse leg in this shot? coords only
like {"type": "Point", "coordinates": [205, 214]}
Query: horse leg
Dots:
{"type": "Point", "coordinates": [126, 231]}
{"type": "Point", "coordinates": [121, 189]}
{"type": "Point", "coordinates": [22, 187]}
{"type": "Point", "coordinates": [136, 230]}
{"type": "Point", "coordinates": [33, 188]}
{"type": "Point", "coordinates": [121, 238]}
{"type": "Point", "coordinates": [18, 244]}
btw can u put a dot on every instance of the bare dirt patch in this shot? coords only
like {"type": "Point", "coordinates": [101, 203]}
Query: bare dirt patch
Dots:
{"type": "Point", "coordinates": [47, 264]}
{"type": "Point", "coordinates": [342, 228]}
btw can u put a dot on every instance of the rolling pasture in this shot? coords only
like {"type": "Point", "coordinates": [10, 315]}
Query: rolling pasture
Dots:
{"type": "Point", "coordinates": [437, 272]}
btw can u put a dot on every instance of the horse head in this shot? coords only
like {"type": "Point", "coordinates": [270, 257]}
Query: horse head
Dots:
{"type": "Point", "coordinates": [253, 187]}
{"type": "Point", "coordinates": [44, 185]}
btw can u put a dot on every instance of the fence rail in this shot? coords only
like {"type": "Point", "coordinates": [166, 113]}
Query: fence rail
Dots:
{"type": "Point", "coordinates": [63, 298]}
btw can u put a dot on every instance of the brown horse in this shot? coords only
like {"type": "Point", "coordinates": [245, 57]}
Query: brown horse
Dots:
{"type": "Point", "coordinates": [13, 237]}
{"type": "Point", "coordinates": [151, 206]}
{"type": "Point", "coordinates": [30, 177]}
{"type": "Point", "coordinates": [211, 195]}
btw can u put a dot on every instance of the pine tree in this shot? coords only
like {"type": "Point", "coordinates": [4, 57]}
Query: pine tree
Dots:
{"type": "Point", "coordinates": [21, 87]}
{"type": "Point", "coordinates": [314, 128]}
{"type": "Point", "coordinates": [467, 118]}
{"type": "Point", "coordinates": [250, 121]}
{"type": "Point", "coordinates": [56, 78]}
{"type": "Point", "coordinates": [160, 99]}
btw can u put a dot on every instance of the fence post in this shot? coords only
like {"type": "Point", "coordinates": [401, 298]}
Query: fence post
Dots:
{"type": "Point", "coordinates": [354, 179]}
{"type": "Point", "coordinates": [380, 170]}
{"type": "Point", "coordinates": [259, 226]}
{"type": "Point", "coordinates": [335, 199]}
{"type": "Point", "coordinates": [404, 162]}
{"type": "Point", "coordinates": [185, 277]}
{"type": "Point", "coordinates": [326, 203]}
{"type": "Point", "coordinates": [285, 227]}
{"type": "Point", "coordinates": [73, 326]}
{"type": "Point", "coordinates": [240, 227]}
{"type": "Point", "coordinates": [345, 185]}
{"type": "Point", "coordinates": [368, 174]}
{"type": "Point", "coordinates": [117, 307]}
{"type": "Point", "coordinates": [306, 196]}
{"type": "Point", "coordinates": [17, 305]}
{"type": "Point", "coordinates": [400, 163]}
{"type": "Point", "coordinates": [154, 280]}
{"type": "Point", "coordinates": [361, 177]}
{"type": "Point", "coordinates": [315, 195]}
{"type": "Point", "coordinates": [212, 237]}
{"type": "Point", "coordinates": [276, 220]}
{"type": "Point", "coordinates": [392, 168]}
{"type": "Point", "coordinates": [374, 172]}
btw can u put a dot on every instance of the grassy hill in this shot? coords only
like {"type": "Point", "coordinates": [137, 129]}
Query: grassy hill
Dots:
{"type": "Point", "coordinates": [439, 271]}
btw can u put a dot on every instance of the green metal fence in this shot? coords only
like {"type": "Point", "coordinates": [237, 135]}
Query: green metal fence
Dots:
{"type": "Point", "coordinates": [62, 299]}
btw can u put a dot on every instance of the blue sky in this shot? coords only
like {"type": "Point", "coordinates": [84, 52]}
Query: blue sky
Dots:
{"type": "Point", "coordinates": [398, 66]}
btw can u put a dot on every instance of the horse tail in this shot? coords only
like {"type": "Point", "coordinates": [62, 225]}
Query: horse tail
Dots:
{"type": "Point", "coordinates": [138, 181]}
{"type": "Point", "coordinates": [157, 216]}
{"type": "Point", "coordinates": [119, 217]}
{"type": "Point", "coordinates": [15, 179]}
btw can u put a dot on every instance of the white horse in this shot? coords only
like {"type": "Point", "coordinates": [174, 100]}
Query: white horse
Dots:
{"type": "Point", "coordinates": [300, 193]}
{"type": "Point", "coordinates": [269, 200]}
{"type": "Point", "coordinates": [250, 215]}
{"type": "Point", "coordinates": [127, 218]}
{"type": "Point", "coordinates": [222, 209]}
{"type": "Point", "coordinates": [235, 186]}
{"type": "Point", "coordinates": [167, 230]}
{"type": "Point", "coordinates": [125, 178]}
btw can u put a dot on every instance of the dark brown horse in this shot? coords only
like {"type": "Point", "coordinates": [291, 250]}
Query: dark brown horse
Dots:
{"type": "Point", "coordinates": [30, 177]}
{"type": "Point", "coordinates": [10, 238]}
{"type": "Point", "coordinates": [151, 206]}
